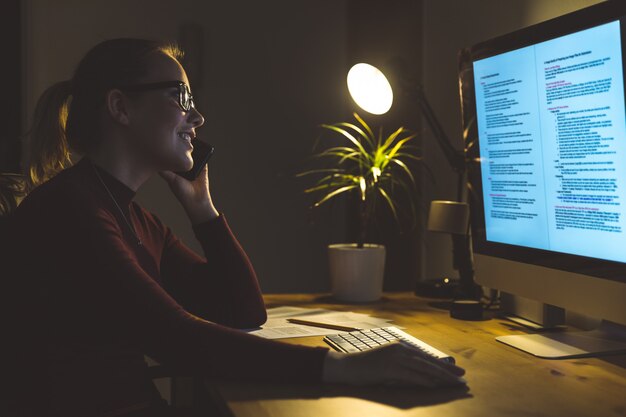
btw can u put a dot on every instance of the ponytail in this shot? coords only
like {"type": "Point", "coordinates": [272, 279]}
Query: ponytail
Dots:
{"type": "Point", "coordinates": [48, 152]}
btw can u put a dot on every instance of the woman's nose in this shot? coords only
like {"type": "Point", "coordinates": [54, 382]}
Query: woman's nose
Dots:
{"type": "Point", "coordinates": [196, 117]}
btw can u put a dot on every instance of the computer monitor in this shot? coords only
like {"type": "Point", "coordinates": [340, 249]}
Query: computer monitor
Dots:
{"type": "Point", "coordinates": [545, 123]}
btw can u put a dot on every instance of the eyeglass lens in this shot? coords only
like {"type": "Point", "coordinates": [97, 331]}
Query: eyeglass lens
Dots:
{"type": "Point", "coordinates": [186, 99]}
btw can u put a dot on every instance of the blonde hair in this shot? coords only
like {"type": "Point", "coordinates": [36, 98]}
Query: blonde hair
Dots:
{"type": "Point", "coordinates": [48, 151]}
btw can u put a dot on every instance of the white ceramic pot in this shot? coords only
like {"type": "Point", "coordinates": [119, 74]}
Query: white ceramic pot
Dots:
{"type": "Point", "coordinates": [356, 274]}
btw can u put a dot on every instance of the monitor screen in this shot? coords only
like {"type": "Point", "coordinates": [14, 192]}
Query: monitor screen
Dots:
{"type": "Point", "coordinates": [545, 120]}
{"type": "Point", "coordinates": [552, 142]}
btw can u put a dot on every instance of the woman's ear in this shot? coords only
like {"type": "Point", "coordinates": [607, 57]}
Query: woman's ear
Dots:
{"type": "Point", "coordinates": [118, 106]}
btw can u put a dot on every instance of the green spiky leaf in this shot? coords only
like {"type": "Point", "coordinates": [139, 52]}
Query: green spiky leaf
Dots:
{"type": "Point", "coordinates": [374, 166]}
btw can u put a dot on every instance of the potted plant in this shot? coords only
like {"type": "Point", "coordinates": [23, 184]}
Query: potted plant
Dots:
{"type": "Point", "coordinates": [377, 169]}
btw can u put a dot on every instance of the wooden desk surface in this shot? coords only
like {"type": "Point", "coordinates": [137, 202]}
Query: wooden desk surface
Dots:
{"type": "Point", "coordinates": [502, 381]}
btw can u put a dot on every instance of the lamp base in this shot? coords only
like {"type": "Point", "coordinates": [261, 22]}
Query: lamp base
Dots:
{"type": "Point", "coordinates": [466, 310]}
{"type": "Point", "coordinates": [442, 288]}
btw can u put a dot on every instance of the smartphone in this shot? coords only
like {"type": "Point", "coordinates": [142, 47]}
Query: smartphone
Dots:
{"type": "Point", "coordinates": [201, 153]}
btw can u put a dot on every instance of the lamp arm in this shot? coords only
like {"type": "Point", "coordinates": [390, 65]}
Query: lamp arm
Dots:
{"type": "Point", "coordinates": [456, 158]}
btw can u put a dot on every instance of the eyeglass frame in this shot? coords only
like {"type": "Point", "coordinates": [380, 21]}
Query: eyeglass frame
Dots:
{"type": "Point", "coordinates": [182, 90]}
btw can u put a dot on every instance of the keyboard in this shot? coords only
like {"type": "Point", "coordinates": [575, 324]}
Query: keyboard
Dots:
{"type": "Point", "coordinates": [360, 340]}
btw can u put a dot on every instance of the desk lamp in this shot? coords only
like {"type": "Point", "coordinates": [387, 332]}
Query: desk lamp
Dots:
{"type": "Point", "coordinates": [372, 90]}
{"type": "Point", "coordinates": [452, 217]}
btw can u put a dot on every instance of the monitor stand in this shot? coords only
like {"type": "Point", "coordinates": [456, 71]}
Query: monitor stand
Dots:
{"type": "Point", "coordinates": [609, 338]}
{"type": "Point", "coordinates": [533, 314]}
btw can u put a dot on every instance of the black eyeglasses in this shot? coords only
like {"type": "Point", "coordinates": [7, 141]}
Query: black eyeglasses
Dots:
{"type": "Point", "coordinates": [185, 99]}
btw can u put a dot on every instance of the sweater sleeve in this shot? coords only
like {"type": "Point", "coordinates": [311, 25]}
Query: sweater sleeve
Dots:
{"type": "Point", "coordinates": [106, 287]}
{"type": "Point", "coordinates": [222, 287]}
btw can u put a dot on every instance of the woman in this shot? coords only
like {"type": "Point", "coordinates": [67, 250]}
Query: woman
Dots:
{"type": "Point", "coordinates": [100, 281]}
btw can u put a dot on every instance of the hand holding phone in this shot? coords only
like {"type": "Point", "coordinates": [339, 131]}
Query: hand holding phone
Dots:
{"type": "Point", "coordinates": [201, 153]}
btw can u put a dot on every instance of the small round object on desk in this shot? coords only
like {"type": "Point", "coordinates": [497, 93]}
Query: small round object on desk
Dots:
{"type": "Point", "coordinates": [466, 310]}
{"type": "Point", "coordinates": [437, 287]}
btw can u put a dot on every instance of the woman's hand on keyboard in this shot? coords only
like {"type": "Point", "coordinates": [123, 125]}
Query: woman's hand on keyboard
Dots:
{"type": "Point", "coordinates": [391, 364]}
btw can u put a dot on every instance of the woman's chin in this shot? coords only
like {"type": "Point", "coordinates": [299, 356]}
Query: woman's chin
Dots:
{"type": "Point", "coordinates": [181, 165]}
{"type": "Point", "coordinates": [188, 164]}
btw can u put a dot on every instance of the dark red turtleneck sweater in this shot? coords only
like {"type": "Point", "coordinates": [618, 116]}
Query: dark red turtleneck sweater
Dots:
{"type": "Point", "coordinates": [86, 302]}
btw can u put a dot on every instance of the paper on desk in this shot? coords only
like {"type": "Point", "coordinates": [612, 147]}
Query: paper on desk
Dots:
{"type": "Point", "coordinates": [277, 326]}
{"type": "Point", "coordinates": [293, 312]}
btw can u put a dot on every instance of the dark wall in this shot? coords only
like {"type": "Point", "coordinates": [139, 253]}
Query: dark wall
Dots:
{"type": "Point", "coordinates": [272, 80]}
{"type": "Point", "coordinates": [11, 97]}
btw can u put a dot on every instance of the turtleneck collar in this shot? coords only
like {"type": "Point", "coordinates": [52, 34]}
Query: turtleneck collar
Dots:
{"type": "Point", "coordinates": [121, 192]}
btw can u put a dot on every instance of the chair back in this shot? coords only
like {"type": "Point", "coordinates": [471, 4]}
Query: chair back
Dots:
{"type": "Point", "coordinates": [13, 188]}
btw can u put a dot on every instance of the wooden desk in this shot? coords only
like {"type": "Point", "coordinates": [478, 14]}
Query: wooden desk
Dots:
{"type": "Point", "coordinates": [502, 381]}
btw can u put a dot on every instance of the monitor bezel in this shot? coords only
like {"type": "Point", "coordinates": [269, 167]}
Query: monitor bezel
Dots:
{"type": "Point", "coordinates": [579, 20]}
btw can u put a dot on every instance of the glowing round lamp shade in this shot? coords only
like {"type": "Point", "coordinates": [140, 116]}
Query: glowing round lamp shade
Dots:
{"type": "Point", "coordinates": [370, 89]}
